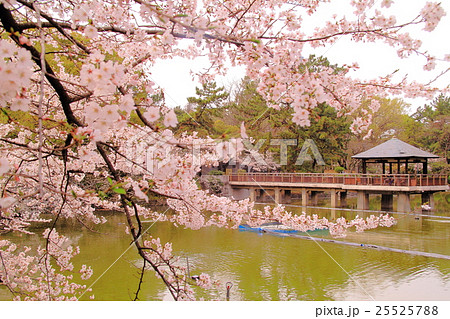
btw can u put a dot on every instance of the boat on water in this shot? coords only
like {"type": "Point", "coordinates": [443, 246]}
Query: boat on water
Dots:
{"type": "Point", "coordinates": [276, 227]}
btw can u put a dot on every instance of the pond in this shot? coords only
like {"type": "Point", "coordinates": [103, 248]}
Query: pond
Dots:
{"type": "Point", "coordinates": [268, 267]}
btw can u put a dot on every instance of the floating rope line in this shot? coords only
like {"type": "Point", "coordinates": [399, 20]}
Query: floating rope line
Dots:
{"type": "Point", "coordinates": [326, 240]}
{"type": "Point", "coordinates": [317, 239]}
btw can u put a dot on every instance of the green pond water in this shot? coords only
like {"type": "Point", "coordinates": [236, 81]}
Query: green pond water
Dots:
{"type": "Point", "coordinates": [268, 267]}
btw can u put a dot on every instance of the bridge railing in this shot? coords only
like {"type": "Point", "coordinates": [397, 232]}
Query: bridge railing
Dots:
{"type": "Point", "coordinates": [343, 179]}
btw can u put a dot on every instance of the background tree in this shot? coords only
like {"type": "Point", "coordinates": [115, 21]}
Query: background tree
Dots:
{"type": "Point", "coordinates": [433, 129]}
{"type": "Point", "coordinates": [390, 120]}
{"type": "Point", "coordinates": [249, 106]}
{"type": "Point", "coordinates": [327, 130]}
{"type": "Point", "coordinates": [204, 110]}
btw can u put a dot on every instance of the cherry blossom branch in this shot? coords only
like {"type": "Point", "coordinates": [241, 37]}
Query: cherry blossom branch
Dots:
{"type": "Point", "coordinates": [54, 24]}
{"type": "Point", "coordinates": [438, 76]}
{"type": "Point", "coordinates": [242, 15]}
{"type": "Point", "coordinates": [9, 23]}
{"type": "Point", "coordinates": [189, 28]}
{"type": "Point", "coordinates": [141, 280]}
{"type": "Point", "coordinates": [49, 153]}
{"type": "Point", "coordinates": [64, 25]}
{"type": "Point", "coordinates": [136, 233]}
{"type": "Point", "coordinates": [7, 282]}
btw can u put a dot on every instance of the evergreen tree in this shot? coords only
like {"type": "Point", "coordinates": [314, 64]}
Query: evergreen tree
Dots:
{"type": "Point", "coordinates": [203, 110]}
{"type": "Point", "coordinates": [435, 122]}
{"type": "Point", "coordinates": [327, 130]}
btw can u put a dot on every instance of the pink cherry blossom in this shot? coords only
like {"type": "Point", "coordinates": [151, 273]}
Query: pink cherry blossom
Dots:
{"type": "Point", "coordinates": [127, 103]}
{"type": "Point", "coordinates": [7, 202]}
{"type": "Point", "coordinates": [21, 104]}
{"type": "Point", "coordinates": [432, 14]}
{"type": "Point", "coordinates": [301, 117]}
{"type": "Point", "coordinates": [91, 32]}
{"type": "Point", "coordinates": [152, 114]}
{"type": "Point", "coordinates": [170, 119]}
{"type": "Point", "coordinates": [386, 3]}
{"type": "Point", "coordinates": [4, 166]}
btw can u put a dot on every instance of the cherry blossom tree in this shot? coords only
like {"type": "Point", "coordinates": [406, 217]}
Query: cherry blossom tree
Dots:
{"type": "Point", "coordinates": [78, 102]}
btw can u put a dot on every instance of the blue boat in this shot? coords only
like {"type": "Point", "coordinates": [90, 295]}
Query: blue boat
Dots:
{"type": "Point", "coordinates": [277, 228]}
{"type": "Point", "coordinates": [264, 228]}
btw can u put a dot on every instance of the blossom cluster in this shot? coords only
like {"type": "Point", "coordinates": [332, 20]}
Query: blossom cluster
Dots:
{"type": "Point", "coordinates": [16, 71]}
{"type": "Point", "coordinates": [34, 276]}
{"type": "Point", "coordinates": [432, 13]}
{"type": "Point", "coordinates": [173, 274]}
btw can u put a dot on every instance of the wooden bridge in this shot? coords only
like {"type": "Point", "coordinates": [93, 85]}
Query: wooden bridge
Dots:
{"type": "Point", "coordinates": [310, 184]}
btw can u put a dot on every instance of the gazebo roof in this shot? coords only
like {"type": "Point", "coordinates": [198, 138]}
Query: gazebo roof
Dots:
{"type": "Point", "coordinates": [394, 148]}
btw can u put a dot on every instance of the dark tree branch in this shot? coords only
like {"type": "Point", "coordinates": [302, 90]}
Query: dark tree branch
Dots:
{"type": "Point", "coordinates": [141, 280]}
{"type": "Point", "coordinates": [56, 25]}
{"type": "Point", "coordinates": [10, 24]}
{"type": "Point", "coordinates": [242, 16]}
{"type": "Point", "coordinates": [136, 233]}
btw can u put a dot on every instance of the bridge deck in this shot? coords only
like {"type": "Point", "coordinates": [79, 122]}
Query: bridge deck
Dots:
{"type": "Point", "coordinates": [369, 182]}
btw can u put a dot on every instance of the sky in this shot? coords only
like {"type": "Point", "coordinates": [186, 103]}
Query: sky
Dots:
{"type": "Point", "coordinates": [374, 59]}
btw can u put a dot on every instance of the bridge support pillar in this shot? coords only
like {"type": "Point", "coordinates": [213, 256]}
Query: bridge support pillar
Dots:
{"type": "Point", "coordinates": [252, 194]}
{"type": "Point", "coordinates": [387, 202]}
{"type": "Point", "coordinates": [403, 203]}
{"type": "Point", "coordinates": [363, 200]}
{"type": "Point", "coordinates": [314, 198]}
{"type": "Point", "coordinates": [304, 197]}
{"type": "Point", "coordinates": [277, 195]}
{"type": "Point", "coordinates": [334, 198]}
{"type": "Point", "coordinates": [343, 199]}
{"type": "Point", "coordinates": [428, 199]}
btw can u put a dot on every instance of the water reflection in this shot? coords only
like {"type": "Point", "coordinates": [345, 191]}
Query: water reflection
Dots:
{"type": "Point", "coordinates": [266, 267]}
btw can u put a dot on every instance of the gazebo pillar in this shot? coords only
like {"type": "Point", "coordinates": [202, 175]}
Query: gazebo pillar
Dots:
{"type": "Point", "coordinates": [425, 166]}
{"type": "Point", "coordinates": [364, 166]}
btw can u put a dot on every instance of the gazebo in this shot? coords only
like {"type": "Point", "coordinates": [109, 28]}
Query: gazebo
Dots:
{"type": "Point", "coordinates": [395, 153]}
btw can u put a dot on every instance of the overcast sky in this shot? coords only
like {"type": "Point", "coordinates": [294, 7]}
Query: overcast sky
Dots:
{"type": "Point", "coordinates": [374, 59]}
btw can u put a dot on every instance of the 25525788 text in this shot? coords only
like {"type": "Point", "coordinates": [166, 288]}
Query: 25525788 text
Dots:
{"type": "Point", "coordinates": [407, 310]}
